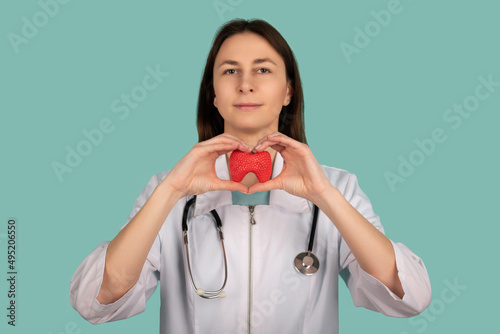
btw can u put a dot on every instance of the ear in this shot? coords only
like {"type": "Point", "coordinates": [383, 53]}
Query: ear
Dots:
{"type": "Point", "coordinates": [289, 94]}
{"type": "Point", "coordinates": [215, 101]}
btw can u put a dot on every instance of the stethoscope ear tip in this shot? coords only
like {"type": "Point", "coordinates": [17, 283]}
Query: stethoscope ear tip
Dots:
{"type": "Point", "coordinates": [222, 294]}
{"type": "Point", "coordinates": [200, 292]}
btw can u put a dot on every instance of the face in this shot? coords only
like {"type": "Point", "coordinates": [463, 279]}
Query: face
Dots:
{"type": "Point", "coordinates": [247, 69]}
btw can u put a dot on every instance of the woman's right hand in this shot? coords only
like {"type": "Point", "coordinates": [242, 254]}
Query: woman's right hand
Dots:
{"type": "Point", "coordinates": [195, 173]}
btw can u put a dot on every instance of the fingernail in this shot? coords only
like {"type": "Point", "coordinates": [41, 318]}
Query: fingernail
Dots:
{"type": "Point", "coordinates": [257, 147]}
{"type": "Point", "coordinates": [273, 135]}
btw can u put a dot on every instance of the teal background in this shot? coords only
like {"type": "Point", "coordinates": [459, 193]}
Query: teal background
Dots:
{"type": "Point", "coordinates": [360, 116]}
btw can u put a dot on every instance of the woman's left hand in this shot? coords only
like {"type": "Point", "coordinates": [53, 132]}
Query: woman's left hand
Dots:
{"type": "Point", "coordinates": [301, 174]}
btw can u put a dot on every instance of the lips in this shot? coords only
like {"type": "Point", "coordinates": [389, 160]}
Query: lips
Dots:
{"type": "Point", "coordinates": [247, 106]}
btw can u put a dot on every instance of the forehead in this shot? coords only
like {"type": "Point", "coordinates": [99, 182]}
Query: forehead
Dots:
{"type": "Point", "coordinates": [245, 47]}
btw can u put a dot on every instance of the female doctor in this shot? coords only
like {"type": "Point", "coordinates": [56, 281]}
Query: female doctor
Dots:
{"type": "Point", "coordinates": [250, 100]}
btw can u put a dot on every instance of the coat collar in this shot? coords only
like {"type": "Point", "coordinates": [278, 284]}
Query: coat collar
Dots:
{"type": "Point", "coordinates": [214, 199]}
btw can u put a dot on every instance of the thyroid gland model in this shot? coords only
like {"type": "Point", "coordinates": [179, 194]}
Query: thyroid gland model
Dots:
{"type": "Point", "coordinates": [242, 163]}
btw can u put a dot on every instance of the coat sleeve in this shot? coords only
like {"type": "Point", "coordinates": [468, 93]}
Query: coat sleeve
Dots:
{"type": "Point", "coordinates": [366, 290]}
{"type": "Point", "coordinates": [87, 279]}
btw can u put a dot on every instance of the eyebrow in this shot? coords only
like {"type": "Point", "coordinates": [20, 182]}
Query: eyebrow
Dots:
{"type": "Point", "coordinates": [256, 61]}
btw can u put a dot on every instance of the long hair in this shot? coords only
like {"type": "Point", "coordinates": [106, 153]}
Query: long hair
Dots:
{"type": "Point", "coordinates": [291, 120]}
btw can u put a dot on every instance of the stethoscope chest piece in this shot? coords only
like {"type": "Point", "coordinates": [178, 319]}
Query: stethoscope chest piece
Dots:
{"type": "Point", "coordinates": [306, 263]}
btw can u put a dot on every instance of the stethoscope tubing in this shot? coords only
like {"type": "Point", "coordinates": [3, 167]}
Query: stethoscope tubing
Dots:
{"type": "Point", "coordinates": [313, 228]}
{"type": "Point", "coordinates": [306, 263]}
{"type": "Point", "coordinates": [204, 293]}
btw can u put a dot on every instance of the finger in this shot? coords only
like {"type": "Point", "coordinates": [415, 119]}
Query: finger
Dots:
{"type": "Point", "coordinates": [223, 148]}
{"type": "Point", "coordinates": [272, 139]}
{"type": "Point", "coordinates": [280, 139]}
{"type": "Point", "coordinates": [265, 144]}
{"type": "Point", "coordinates": [242, 145]}
{"type": "Point", "coordinates": [278, 148]}
{"type": "Point", "coordinates": [232, 186]}
{"type": "Point", "coordinates": [232, 137]}
{"type": "Point", "coordinates": [221, 140]}
{"type": "Point", "coordinates": [263, 139]}
{"type": "Point", "coordinates": [214, 151]}
{"type": "Point", "coordinates": [262, 187]}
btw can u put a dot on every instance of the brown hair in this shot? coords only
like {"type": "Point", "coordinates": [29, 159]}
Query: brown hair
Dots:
{"type": "Point", "coordinates": [291, 120]}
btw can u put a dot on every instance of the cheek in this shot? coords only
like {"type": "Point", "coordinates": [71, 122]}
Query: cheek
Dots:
{"type": "Point", "coordinates": [221, 92]}
{"type": "Point", "coordinates": [276, 88]}
{"type": "Point", "coordinates": [277, 95]}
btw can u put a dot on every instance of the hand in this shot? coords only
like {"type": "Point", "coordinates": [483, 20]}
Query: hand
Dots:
{"type": "Point", "coordinates": [301, 174]}
{"type": "Point", "coordinates": [195, 173]}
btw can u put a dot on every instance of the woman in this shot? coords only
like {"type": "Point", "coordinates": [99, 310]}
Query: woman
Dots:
{"type": "Point", "coordinates": [250, 100]}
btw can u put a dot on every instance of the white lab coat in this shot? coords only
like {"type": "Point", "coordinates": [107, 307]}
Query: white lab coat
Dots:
{"type": "Point", "coordinates": [282, 300]}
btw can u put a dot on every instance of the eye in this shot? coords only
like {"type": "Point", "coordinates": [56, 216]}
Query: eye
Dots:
{"type": "Point", "coordinates": [228, 71]}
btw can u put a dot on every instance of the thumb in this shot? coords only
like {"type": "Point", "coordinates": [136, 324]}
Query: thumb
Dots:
{"type": "Point", "coordinates": [261, 187]}
{"type": "Point", "coordinates": [232, 186]}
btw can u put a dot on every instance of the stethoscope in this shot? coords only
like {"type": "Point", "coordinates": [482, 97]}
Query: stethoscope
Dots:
{"type": "Point", "coordinates": [305, 263]}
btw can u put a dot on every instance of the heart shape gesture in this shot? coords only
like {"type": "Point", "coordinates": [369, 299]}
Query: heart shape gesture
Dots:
{"type": "Point", "coordinates": [241, 163]}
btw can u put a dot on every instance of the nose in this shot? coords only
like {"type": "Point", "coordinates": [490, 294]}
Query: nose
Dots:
{"type": "Point", "coordinates": [246, 84]}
